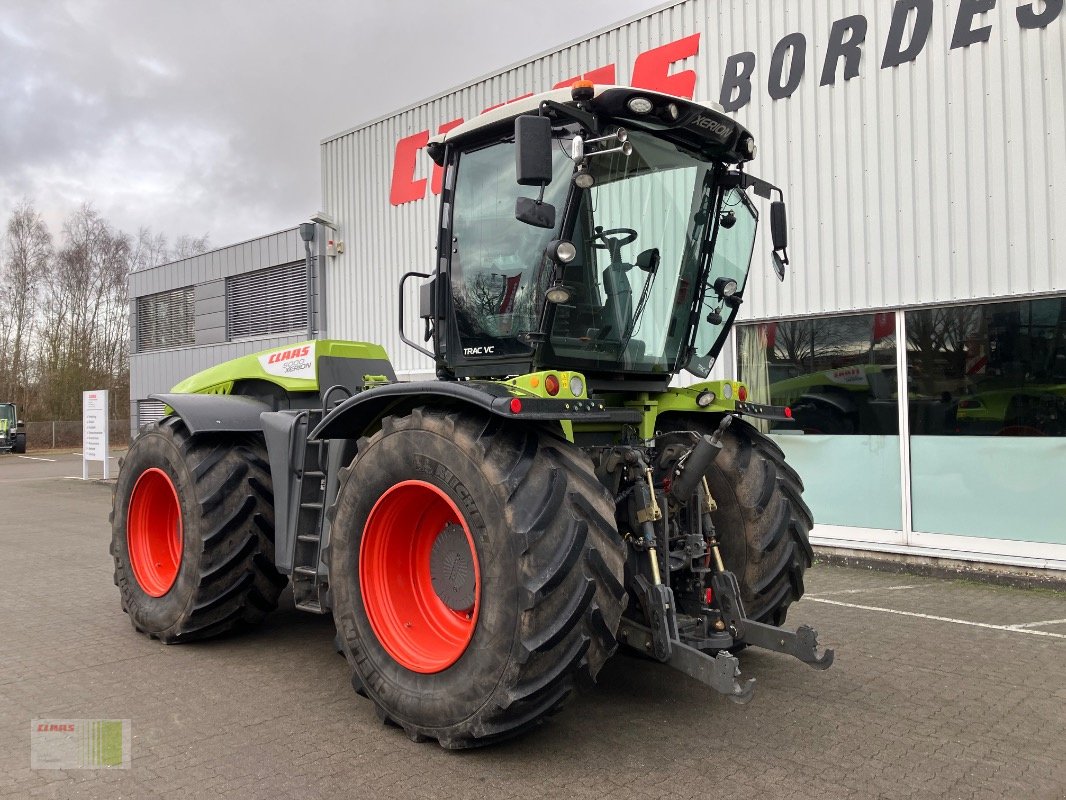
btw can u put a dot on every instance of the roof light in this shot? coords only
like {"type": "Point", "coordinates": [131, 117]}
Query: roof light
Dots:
{"type": "Point", "coordinates": [582, 90]}
{"type": "Point", "coordinates": [551, 385]}
{"type": "Point", "coordinates": [640, 105]}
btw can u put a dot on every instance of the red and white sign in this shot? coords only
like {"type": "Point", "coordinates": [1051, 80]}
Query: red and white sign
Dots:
{"type": "Point", "coordinates": [94, 431]}
{"type": "Point", "coordinates": [657, 70]}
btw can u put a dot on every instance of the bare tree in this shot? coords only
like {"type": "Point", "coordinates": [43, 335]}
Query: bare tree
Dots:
{"type": "Point", "coordinates": [84, 340]}
{"type": "Point", "coordinates": [64, 325]}
{"type": "Point", "coordinates": [186, 246]}
{"type": "Point", "coordinates": [26, 252]}
{"type": "Point", "coordinates": [150, 250]}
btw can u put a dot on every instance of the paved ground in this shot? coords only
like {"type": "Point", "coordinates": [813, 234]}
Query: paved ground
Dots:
{"type": "Point", "coordinates": [916, 705]}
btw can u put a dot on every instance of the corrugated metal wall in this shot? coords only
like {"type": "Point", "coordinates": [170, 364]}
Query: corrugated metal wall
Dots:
{"type": "Point", "coordinates": [933, 181]}
{"type": "Point", "coordinates": [155, 371]}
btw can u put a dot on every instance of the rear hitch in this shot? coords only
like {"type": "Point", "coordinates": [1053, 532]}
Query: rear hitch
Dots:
{"type": "Point", "coordinates": [714, 667]}
{"type": "Point", "coordinates": [802, 644]}
{"type": "Point", "coordinates": [720, 671]}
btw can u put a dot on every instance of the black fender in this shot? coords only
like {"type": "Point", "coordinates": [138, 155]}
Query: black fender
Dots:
{"type": "Point", "coordinates": [359, 413]}
{"type": "Point", "coordinates": [220, 413]}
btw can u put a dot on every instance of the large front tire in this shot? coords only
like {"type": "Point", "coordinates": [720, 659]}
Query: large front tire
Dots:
{"type": "Point", "coordinates": [193, 533]}
{"type": "Point", "coordinates": [522, 513]}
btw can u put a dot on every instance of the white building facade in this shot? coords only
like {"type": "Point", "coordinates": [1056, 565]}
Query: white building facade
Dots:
{"type": "Point", "coordinates": [921, 332]}
{"type": "Point", "coordinates": [920, 335]}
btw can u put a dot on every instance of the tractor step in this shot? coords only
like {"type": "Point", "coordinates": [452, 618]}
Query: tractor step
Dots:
{"type": "Point", "coordinates": [308, 584]}
{"type": "Point", "coordinates": [312, 606]}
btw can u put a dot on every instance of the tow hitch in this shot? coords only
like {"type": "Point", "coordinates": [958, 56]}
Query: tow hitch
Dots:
{"type": "Point", "coordinates": [707, 658]}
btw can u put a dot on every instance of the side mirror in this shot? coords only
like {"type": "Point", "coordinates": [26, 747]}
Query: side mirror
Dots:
{"type": "Point", "coordinates": [779, 225]}
{"type": "Point", "coordinates": [649, 260]}
{"type": "Point", "coordinates": [533, 150]}
{"type": "Point", "coordinates": [533, 212]}
{"type": "Point", "coordinates": [20, 424]}
{"type": "Point", "coordinates": [779, 235]}
{"type": "Point", "coordinates": [779, 265]}
{"type": "Point", "coordinates": [533, 167]}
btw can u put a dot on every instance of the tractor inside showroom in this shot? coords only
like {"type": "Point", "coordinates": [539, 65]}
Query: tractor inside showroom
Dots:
{"type": "Point", "coordinates": [486, 540]}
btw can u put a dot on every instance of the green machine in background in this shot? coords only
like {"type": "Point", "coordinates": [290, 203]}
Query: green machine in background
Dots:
{"type": "Point", "coordinates": [12, 430]}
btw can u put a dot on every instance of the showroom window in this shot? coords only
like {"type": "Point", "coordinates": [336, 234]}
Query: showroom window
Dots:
{"type": "Point", "coordinates": [988, 419]}
{"type": "Point", "coordinates": [839, 375]}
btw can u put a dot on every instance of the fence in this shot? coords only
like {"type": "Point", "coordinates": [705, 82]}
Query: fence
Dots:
{"type": "Point", "coordinates": [67, 433]}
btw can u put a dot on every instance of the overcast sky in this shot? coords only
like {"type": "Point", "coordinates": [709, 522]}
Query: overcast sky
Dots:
{"type": "Point", "coordinates": [205, 117]}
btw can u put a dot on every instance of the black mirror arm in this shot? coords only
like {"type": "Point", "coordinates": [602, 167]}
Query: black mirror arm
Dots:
{"type": "Point", "coordinates": [556, 110]}
{"type": "Point", "coordinates": [743, 180]}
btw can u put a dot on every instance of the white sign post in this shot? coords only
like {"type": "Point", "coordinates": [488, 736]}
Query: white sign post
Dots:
{"type": "Point", "coordinates": [94, 431]}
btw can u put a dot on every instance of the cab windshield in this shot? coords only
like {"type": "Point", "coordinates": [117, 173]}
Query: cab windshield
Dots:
{"type": "Point", "coordinates": [7, 417]}
{"type": "Point", "coordinates": [639, 234]}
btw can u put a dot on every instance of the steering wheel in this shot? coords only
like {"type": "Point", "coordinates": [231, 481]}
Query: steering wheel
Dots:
{"type": "Point", "coordinates": [613, 240]}
{"type": "Point", "coordinates": [628, 236]}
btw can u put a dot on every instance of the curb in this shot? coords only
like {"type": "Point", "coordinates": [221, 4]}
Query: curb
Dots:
{"type": "Point", "coordinates": [946, 568]}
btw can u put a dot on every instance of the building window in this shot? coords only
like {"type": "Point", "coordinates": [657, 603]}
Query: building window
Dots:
{"type": "Point", "coordinates": [988, 419]}
{"type": "Point", "coordinates": [166, 319]}
{"type": "Point", "coordinates": [839, 376]}
{"type": "Point", "coordinates": [999, 368]}
{"type": "Point", "coordinates": [267, 301]}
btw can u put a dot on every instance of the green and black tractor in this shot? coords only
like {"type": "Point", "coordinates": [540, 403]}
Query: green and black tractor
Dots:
{"type": "Point", "coordinates": [485, 541]}
{"type": "Point", "coordinates": [12, 430]}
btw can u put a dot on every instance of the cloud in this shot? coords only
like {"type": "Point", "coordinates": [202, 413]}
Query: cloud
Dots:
{"type": "Point", "coordinates": [201, 117]}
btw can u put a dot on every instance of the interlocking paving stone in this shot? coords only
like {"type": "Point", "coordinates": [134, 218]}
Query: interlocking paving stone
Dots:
{"type": "Point", "coordinates": [913, 708]}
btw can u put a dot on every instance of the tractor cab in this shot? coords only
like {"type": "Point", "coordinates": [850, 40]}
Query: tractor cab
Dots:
{"type": "Point", "coordinates": [606, 230]}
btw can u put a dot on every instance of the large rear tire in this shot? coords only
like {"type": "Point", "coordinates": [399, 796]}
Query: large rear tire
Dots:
{"type": "Point", "coordinates": [476, 575]}
{"type": "Point", "coordinates": [193, 533]}
{"type": "Point", "coordinates": [763, 524]}
{"type": "Point", "coordinates": [20, 443]}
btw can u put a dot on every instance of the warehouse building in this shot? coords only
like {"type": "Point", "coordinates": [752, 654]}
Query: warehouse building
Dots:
{"type": "Point", "coordinates": [921, 332]}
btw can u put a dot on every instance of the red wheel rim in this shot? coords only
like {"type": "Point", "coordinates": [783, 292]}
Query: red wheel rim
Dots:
{"type": "Point", "coordinates": [411, 621]}
{"type": "Point", "coordinates": [154, 532]}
